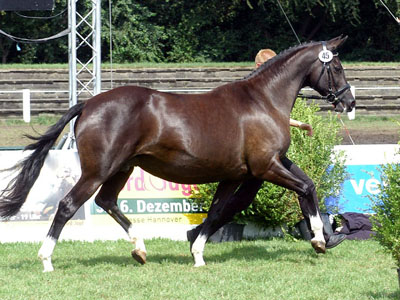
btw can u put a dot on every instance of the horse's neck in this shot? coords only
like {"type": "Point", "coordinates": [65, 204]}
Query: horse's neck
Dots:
{"type": "Point", "coordinates": [284, 85]}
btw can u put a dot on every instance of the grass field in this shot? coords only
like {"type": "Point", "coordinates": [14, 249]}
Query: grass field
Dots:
{"type": "Point", "coordinates": [261, 269]}
{"type": "Point", "coordinates": [12, 131]}
{"type": "Point", "coordinates": [369, 122]}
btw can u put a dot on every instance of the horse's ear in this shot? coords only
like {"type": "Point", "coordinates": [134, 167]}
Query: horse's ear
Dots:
{"type": "Point", "coordinates": [337, 42]}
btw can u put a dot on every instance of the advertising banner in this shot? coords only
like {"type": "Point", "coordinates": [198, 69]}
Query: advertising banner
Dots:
{"type": "Point", "coordinates": [156, 208]}
{"type": "Point", "coordinates": [149, 199]}
{"type": "Point", "coordinates": [59, 174]}
{"type": "Point", "coordinates": [363, 164]}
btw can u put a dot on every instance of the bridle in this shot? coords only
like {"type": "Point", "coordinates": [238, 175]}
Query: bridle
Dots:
{"type": "Point", "coordinates": [325, 57]}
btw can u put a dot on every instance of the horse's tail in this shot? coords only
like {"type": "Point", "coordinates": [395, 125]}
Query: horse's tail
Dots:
{"type": "Point", "coordinates": [16, 192]}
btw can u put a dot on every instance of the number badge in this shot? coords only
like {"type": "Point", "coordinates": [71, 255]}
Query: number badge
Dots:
{"type": "Point", "coordinates": [325, 56]}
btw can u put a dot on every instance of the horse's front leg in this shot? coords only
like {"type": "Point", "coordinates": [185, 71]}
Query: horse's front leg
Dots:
{"type": "Point", "coordinates": [281, 175]}
{"type": "Point", "coordinates": [308, 202]}
{"type": "Point", "coordinates": [309, 205]}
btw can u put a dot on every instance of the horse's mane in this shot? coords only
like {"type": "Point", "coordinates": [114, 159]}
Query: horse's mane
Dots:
{"type": "Point", "coordinates": [282, 56]}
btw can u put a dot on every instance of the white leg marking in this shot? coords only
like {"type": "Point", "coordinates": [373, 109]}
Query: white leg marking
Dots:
{"type": "Point", "coordinates": [317, 227]}
{"type": "Point", "coordinates": [136, 240]}
{"type": "Point", "coordinates": [197, 250]}
{"type": "Point", "coordinates": [46, 252]}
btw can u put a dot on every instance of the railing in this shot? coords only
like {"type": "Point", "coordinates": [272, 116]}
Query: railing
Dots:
{"type": "Point", "coordinates": [26, 94]}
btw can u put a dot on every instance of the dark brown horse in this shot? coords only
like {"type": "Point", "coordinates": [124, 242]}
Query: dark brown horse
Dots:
{"type": "Point", "coordinates": [235, 134]}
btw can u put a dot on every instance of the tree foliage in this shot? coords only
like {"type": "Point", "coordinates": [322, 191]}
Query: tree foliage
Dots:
{"type": "Point", "coordinates": [386, 205]}
{"type": "Point", "coordinates": [212, 30]}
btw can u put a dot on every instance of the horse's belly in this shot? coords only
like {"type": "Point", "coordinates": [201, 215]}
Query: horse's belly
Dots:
{"type": "Point", "coordinates": [191, 170]}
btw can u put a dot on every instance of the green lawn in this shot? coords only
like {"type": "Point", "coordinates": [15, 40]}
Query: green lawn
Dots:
{"type": "Point", "coordinates": [373, 122]}
{"type": "Point", "coordinates": [261, 269]}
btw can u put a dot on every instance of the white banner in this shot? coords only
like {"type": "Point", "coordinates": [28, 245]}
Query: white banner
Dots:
{"type": "Point", "coordinates": [156, 208]}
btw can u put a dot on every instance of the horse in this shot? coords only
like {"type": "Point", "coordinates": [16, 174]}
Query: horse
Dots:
{"type": "Point", "coordinates": [235, 134]}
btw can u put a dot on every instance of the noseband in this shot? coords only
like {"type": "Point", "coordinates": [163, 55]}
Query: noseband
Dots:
{"type": "Point", "coordinates": [326, 57]}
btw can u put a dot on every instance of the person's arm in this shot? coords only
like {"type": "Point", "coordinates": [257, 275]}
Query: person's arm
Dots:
{"type": "Point", "coordinates": [301, 125]}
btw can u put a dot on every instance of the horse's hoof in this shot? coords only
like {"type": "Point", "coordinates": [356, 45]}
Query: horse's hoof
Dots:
{"type": "Point", "coordinates": [318, 246]}
{"type": "Point", "coordinates": [139, 256]}
{"type": "Point", "coordinates": [199, 265]}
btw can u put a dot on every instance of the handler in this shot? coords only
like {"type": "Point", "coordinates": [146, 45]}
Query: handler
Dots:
{"type": "Point", "coordinates": [332, 240]}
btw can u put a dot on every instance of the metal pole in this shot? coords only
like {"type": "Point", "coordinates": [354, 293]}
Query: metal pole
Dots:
{"type": "Point", "coordinates": [97, 48]}
{"type": "Point", "coordinates": [72, 57]}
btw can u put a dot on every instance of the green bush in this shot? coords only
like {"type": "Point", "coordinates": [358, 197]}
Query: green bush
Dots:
{"type": "Point", "coordinates": [274, 205]}
{"type": "Point", "coordinates": [386, 205]}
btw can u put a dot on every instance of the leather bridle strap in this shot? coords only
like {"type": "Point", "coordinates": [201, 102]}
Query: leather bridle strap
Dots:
{"type": "Point", "coordinates": [332, 97]}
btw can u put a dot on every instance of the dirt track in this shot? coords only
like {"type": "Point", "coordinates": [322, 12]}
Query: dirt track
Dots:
{"type": "Point", "coordinates": [371, 136]}
{"type": "Point", "coordinates": [12, 135]}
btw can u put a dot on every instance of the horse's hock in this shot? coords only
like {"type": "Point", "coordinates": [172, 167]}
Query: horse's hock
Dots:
{"type": "Point", "coordinates": [377, 87]}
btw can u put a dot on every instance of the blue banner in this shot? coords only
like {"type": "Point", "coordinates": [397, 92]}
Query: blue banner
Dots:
{"type": "Point", "coordinates": [362, 184]}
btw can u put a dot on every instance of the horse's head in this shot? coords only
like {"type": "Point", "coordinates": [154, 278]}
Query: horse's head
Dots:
{"type": "Point", "coordinates": [327, 76]}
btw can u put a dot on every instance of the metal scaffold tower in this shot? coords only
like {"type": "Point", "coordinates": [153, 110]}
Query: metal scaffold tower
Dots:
{"type": "Point", "coordinates": [84, 69]}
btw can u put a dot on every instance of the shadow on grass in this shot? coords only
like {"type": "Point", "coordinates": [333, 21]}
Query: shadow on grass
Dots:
{"type": "Point", "coordinates": [384, 295]}
{"type": "Point", "coordinates": [123, 261]}
{"type": "Point", "coordinates": [238, 252]}
{"type": "Point", "coordinates": [246, 253]}
{"type": "Point", "coordinates": [251, 253]}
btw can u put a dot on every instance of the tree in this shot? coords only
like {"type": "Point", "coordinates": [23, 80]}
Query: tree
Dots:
{"type": "Point", "coordinates": [137, 36]}
{"type": "Point", "coordinates": [24, 27]}
{"type": "Point", "coordinates": [214, 30]}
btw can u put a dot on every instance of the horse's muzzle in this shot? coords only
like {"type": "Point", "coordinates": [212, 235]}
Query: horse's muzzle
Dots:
{"type": "Point", "coordinates": [350, 107]}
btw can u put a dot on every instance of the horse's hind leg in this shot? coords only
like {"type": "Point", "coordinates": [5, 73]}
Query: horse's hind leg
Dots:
{"type": "Point", "coordinates": [197, 237]}
{"type": "Point", "coordinates": [67, 207]}
{"type": "Point", "coordinates": [224, 207]}
{"type": "Point", "coordinates": [107, 200]}
{"type": "Point", "coordinates": [224, 190]}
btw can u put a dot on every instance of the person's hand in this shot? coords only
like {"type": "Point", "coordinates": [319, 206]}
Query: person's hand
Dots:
{"type": "Point", "coordinates": [307, 127]}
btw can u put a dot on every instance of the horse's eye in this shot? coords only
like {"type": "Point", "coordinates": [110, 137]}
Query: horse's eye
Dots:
{"type": "Point", "coordinates": [337, 68]}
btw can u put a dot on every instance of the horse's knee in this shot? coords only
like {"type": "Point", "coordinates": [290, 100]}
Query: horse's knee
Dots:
{"type": "Point", "coordinates": [308, 189]}
{"type": "Point", "coordinates": [304, 191]}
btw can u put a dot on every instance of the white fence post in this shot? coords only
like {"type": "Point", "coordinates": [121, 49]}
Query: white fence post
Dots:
{"type": "Point", "coordinates": [26, 105]}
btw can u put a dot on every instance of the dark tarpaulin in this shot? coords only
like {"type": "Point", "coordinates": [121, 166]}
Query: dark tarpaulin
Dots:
{"type": "Point", "coordinates": [356, 226]}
